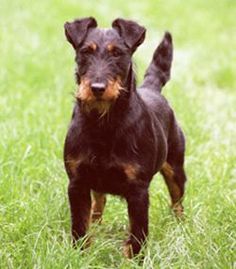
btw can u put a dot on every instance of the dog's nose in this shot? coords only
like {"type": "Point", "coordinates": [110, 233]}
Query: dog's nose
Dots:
{"type": "Point", "coordinates": [98, 88]}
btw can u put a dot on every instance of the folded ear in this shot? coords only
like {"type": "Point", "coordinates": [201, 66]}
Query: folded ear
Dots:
{"type": "Point", "coordinates": [77, 30]}
{"type": "Point", "coordinates": [132, 33]}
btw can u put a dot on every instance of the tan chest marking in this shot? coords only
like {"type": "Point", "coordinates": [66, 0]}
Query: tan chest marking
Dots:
{"type": "Point", "coordinates": [131, 171]}
{"type": "Point", "coordinates": [74, 162]}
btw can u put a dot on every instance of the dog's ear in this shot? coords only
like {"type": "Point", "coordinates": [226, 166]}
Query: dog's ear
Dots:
{"type": "Point", "coordinates": [132, 33]}
{"type": "Point", "coordinates": [77, 30]}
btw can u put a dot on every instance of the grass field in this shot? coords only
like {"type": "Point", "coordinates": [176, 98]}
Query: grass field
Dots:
{"type": "Point", "coordinates": [36, 86]}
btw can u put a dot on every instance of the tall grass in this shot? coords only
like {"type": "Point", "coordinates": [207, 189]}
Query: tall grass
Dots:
{"type": "Point", "coordinates": [36, 85]}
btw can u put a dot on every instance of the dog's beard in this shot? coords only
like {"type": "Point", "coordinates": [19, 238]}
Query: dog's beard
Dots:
{"type": "Point", "coordinates": [99, 106]}
{"type": "Point", "coordinates": [102, 104]}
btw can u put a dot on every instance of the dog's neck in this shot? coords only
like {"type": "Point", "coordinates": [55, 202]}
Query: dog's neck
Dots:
{"type": "Point", "coordinates": [131, 80]}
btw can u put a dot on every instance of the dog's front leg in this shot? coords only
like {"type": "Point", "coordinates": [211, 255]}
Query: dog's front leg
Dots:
{"type": "Point", "coordinates": [138, 202]}
{"type": "Point", "coordinates": [80, 206]}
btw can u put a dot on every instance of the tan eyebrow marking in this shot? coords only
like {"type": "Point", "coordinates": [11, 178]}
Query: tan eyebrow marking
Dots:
{"type": "Point", "coordinates": [110, 47]}
{"type": "Point", "coordinates": [93, 46]}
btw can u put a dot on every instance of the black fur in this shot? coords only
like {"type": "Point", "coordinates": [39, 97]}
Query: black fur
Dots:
{"type": "Point", "coordinates": [139, 129]}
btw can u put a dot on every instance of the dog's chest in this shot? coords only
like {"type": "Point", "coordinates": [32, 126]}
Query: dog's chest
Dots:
{"type": "Point", "coordinates": [105, 164]}
{"type": "Point", "coordinates": [107, 174]}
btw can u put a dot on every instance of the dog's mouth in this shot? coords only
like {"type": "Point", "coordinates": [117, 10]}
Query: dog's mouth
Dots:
{"type": "Point", "coordinates": [97, 96]}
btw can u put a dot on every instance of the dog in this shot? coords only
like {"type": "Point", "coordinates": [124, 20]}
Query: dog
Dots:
{"type": "Point", "coordinates": [120, 136]}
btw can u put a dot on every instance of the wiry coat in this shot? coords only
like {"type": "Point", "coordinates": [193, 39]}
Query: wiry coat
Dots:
{"type": "Point", "coordinates": [120, 150]}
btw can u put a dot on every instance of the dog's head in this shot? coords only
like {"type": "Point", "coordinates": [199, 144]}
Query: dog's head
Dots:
{"type": "Point", "coordinates": [103, 58]}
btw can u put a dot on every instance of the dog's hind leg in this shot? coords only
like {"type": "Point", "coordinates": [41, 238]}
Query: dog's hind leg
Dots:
{"type": "Point", "coordinates": [175, 179]}
{"type": "Point", "coordinates": [174, 174]}
{"type": "Point", "coordinates": [98, 204]}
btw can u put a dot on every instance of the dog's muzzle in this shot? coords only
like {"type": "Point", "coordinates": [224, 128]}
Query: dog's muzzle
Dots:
{"type": "Point", "coordinates": [98, 89]}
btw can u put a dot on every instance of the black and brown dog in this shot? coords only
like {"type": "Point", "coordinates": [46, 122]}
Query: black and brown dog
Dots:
{"type": "Point", "coordinates": [120, 136]}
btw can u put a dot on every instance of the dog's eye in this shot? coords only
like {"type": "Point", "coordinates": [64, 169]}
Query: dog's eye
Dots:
{"type": "Point", "coordinates": [117, 52]}
{"type": "Point", "coordinates": [87, 50]}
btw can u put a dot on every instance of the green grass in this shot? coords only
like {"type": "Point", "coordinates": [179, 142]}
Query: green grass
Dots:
{"type": "Point", "coordinates": [36, 78]}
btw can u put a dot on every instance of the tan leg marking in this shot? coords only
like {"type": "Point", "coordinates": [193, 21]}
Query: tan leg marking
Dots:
{"type": "Point", "coordinates": [173, 188]}
{"type": "Point", "coordinates": [128, 251]}
{"type": "Point", "coordinates": [98, 204]}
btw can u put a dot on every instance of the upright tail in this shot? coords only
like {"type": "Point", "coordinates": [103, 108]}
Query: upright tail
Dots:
{"type": "Point", "coordinates": [158, 72]}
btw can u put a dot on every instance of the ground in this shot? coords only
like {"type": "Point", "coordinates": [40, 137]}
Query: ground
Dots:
{"type": "Point", "coordinates": [36, 99]}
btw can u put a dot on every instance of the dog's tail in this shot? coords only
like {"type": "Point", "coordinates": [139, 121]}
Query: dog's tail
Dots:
{"type": "Point", "coordinates": [158, 72]}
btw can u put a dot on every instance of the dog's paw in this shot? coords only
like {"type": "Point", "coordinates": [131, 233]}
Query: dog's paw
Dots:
{"type": "Point", "coordinates": [128, 251]}
{"type": "Point", "coordinates": [178, 210]}
{"type": "Point", "coordinates": [82, 243]}
{"type": "Point", "coordinates": [96, 217]}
